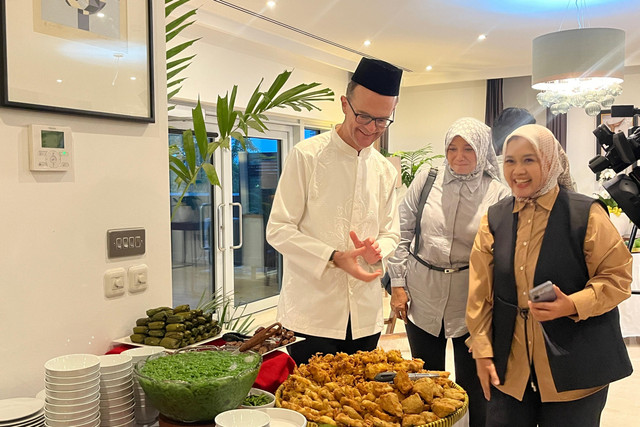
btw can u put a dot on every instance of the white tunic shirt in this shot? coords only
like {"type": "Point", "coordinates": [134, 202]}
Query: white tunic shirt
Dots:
{"type": "Point", "coordinates": [326, 190]}
{"type": "Point", "coordinates": [449, 223]}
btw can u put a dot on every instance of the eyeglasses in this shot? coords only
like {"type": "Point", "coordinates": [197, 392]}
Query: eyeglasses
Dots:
{"type": "Point", "coordinates": [365, 119]}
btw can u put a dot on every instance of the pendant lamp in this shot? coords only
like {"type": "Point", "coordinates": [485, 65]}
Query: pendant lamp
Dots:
{"type": "Point", "coordinates": [578, 68]}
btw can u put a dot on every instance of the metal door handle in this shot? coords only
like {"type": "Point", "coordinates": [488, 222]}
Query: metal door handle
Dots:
{"type": "Point", "coordinates": [239, 205]}
{"type": "Point", "coordinates": [221, 247]}
{"type": "Point", "coordinates": [203, 229]}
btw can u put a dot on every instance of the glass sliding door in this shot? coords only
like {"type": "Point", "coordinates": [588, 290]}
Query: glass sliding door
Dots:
{"type": "Point", "coordinates": [218, 235]}
{"type": "Point", "coordinates": [252, 268]}
{"type": "Point", "coordinates": [191, 257]}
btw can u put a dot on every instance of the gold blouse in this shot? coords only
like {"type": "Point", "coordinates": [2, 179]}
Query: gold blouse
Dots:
{"type": "Point", "coordinates": [609, 264]}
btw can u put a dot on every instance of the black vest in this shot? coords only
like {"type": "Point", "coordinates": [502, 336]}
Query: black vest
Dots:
{"type": "Point", "coordinates": [595, 352]}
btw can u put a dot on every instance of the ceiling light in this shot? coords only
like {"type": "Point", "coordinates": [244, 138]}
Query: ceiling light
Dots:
{"type": "Point", "coordinates": [482, 37]}
{"type": "Point", "coordinates": [367, 42]}
{"type": "Point", "coordinates": [578, 68]}
{"type": "Point", "coordinates": [429, 68]}
{"type": "Point", "coordinates": [271, 4]}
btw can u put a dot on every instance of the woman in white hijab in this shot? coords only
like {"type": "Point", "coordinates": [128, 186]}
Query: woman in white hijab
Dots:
{"type": "Point", "coordinates": [546, 363]}
{"type": "Point", "coordinates": [430, 282]}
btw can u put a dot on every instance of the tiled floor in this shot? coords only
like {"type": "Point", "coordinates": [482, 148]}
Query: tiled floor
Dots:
{"type": "Point", "coordinates": [623, 403]}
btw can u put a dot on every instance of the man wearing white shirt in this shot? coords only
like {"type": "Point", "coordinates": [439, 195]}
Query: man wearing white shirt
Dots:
{"type": "Point", "coordinates": [334, 218]}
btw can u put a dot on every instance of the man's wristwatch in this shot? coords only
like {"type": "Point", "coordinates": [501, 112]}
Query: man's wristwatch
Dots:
{"type": "Point", "coordinates": [331, 263]}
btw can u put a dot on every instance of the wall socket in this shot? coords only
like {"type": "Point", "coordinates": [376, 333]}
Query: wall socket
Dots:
{"type": "Point", "coordinates": [114, 282]}
{"type": "Point", "coordinates": [125, 242]}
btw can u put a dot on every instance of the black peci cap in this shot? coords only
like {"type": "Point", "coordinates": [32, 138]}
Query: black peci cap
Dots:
{"type": "Point", "coordinates": [378, 76]}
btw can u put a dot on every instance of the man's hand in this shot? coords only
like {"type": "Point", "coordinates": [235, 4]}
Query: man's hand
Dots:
{"type": "Point", "coordinates": [398, 303]}
{"type": "Point", "coordinates": [372, 253]}
{"type": "Point", "coordinates": [561, 307]}
{"type": "Point", "coordinates": [348, 261]}
{"type": "Point", "coordinates": [487, 375]}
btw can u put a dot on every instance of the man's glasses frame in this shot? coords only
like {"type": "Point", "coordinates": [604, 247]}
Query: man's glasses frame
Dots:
{"type": "Point", "coordinates": [365, 119]}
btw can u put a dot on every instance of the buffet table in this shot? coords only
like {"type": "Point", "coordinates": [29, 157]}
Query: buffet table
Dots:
{"type": "Point", "coordinates": [630, 309]}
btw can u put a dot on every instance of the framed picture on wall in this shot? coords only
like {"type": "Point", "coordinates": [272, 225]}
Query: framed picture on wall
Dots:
{"type": "Point", "coordinates": [615, 124]}
{"type": "Point", "coordinates": [78, 57]}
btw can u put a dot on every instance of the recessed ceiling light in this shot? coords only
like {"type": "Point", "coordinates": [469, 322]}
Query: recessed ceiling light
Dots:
{"type": "Point", "coordinates": [59, 80]}
{"type": "Point", "coordinates": [482, 37]}
{"type": "Point", "coordinates": [271, 4]}
{"type": "Point", "coordinates": [367, 42]}
{"type": "Point", "coordinates": [132, 77]}
{"type": "Point", "coordinates": [100, 15]}
{"type": "Point", "coordinates": [429, 68]}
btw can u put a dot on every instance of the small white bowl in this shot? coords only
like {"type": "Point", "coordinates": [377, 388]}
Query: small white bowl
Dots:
{"type": "Point", "coordinates": [108, 414]}
{"type": "Point", "coordinates": [75, 394]}
{"type": "Point", "coordinates": [113, 392]}
{"type": "Point", "coordinates": [242, 418]}
{"type": "Point", "coordinates": [118, 421]}
{"type": "Point", "coordinates": [70, 402]}
{"type": "Point", "coordinates": [48, 385]}
{"type": "Point", "coordinates": [113, 401]}
{"type": "Point", "coordinates": [53, 407]}
{"type": "Point", "coordinates": [284, 417]}
{"type": "Point", "coordinates": [72, 380]}
{"type": "Point", "coordinates": [72, 365]}
{"type": "Point", "coordinates": [258, 392]}
{"type": "Point", "coordinates": [116, 374]}
{"type": "Point", "coordinates": [92, 423]}
{"type": "Point", "coordinates": [141, 353]}
{"type": "Point", "coordinates": [71, 422]}
{"type": "Point", "coordinates": [109, 405]}
{"type": "Point", "coordinates": [67, 416]}
{"type": "Point", "coordinates": [124, 378]}
{"type": "Point", "coordinates": [114, 362]}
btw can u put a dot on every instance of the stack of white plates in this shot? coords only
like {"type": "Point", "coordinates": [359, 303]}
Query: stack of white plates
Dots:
{"type": "Point", "coordinates": [146, 413]}
{"type": "Point", "coordinates": [72, 384]}
{"type": "Point", "coordinates": [21, 412]}
{"type": "Point", "coordinates": [116, 391]}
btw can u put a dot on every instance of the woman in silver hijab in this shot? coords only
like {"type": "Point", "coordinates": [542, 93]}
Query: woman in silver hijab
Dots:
{"type": "Point", "coordinates": [430, 282]}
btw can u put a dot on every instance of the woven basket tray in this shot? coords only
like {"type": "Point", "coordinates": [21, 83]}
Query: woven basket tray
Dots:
{"type": "Point", "coordinates": [447, 421]}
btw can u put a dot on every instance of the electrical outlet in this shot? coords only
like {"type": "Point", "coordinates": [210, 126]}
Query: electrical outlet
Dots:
{"type": "Point", "coordinates": [138, 278]}
{"type": "Point", "coordinates": [114, 282]}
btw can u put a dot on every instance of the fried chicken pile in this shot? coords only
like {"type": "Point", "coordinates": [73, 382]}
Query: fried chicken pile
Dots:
{"type": "Point", "coordinates": [339, 390]}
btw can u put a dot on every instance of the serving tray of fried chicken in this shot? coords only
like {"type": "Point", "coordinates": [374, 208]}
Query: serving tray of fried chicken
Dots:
{"type": "Point", "coordinates": [340, 390]}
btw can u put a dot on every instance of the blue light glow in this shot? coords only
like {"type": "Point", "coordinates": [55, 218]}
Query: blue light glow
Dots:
{"type": "Point", "coordinates": [519, 7]}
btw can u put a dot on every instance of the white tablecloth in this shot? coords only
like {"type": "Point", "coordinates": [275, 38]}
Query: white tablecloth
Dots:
{"type": "Point", "coordinates": [630, 309]}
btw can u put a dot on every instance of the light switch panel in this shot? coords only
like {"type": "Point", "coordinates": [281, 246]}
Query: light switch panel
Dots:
{"type": "Point", "coordinates": [125, 242]}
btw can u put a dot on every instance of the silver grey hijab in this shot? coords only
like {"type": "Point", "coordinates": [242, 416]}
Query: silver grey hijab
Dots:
{"type": "Point", "coordinates": [478, 136]}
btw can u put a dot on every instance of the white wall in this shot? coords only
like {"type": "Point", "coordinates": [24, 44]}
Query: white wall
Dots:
{"type": "Point", "coordinates": [53, 226]}
{"type": "Point", "coordinates": [223, 62]}
{"type": "Point", "coordinates": [53, 235]}
{"type": "Point", "coordinates": [424, 113]}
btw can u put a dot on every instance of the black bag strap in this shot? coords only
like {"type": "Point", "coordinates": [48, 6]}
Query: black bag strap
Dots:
{"type": "Point", "coordinates": [433, 172]}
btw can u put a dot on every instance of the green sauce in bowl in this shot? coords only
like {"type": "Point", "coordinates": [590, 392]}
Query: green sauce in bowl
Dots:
{"type": "Point", "coordinates": [197, 384]}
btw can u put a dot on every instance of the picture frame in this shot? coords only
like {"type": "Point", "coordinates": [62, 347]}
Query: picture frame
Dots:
{"type": "Point", "coordinates": [78, 57]}
{"type": "Point", "coordinates": [614, 124]}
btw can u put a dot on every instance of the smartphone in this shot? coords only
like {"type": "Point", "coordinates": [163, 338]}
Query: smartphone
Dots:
{"type": "Point", "coordinates": [543, 293]}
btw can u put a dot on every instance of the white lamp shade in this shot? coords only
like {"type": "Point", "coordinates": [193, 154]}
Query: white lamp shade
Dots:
{"type": "Point", "coordinates": [578, 54]}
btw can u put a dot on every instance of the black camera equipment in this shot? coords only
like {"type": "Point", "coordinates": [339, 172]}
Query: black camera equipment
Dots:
{"type": "Point", "coordinates": [621, 152]}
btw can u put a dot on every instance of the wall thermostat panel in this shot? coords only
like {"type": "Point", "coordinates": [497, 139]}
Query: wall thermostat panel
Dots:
{"type": "Point", "coordinates": [50, 148]}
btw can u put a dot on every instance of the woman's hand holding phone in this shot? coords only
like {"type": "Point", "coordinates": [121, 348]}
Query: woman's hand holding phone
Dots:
{"type": "Point", "coordinates": [553, 308]}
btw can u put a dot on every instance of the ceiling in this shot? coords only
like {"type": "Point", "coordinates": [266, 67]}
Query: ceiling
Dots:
{"type": "Point", "coordinates": [413, 34]}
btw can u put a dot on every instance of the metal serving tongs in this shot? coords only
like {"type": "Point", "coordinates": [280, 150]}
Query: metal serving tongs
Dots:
{"type": "Point", "coordinates": [261, 336]}
{"type": "Point", "coordinates": [388, 376]}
